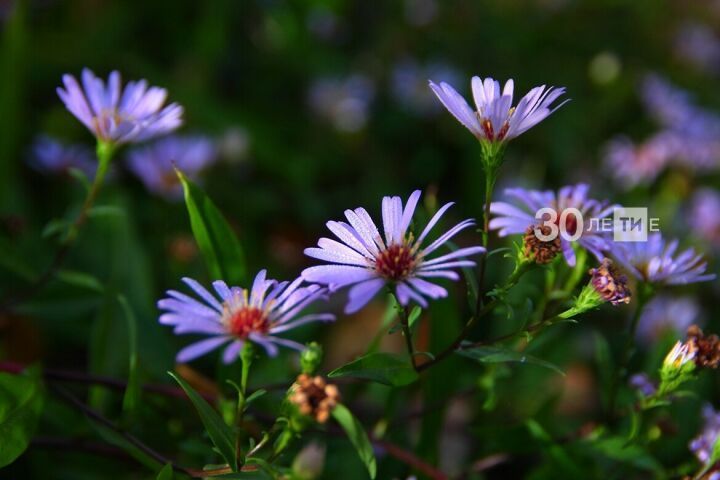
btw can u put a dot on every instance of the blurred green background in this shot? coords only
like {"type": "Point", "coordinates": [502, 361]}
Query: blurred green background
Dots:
{"type": "Point", "coordinates": [319, 106]}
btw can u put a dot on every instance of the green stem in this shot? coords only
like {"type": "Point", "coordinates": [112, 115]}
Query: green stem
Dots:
{"type": "Point", "coordinates": [105, 152]}
{"type": "Point", "coordinates": [405, 323]}
{"type": "Point", "coordinates": [491, 170]}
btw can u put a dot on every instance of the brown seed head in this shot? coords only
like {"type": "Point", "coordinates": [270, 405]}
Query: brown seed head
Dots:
{"type": "Point", "coordinates": [541, 252]}
{"type": "Point", "coordinates": [314, 397]}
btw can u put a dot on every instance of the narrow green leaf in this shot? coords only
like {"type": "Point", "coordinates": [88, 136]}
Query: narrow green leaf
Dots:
{"type": "Point", "coordinates": [221, 435]}
{"type": "Point", "coordinates": [131, 399]}
{"type": "Point", "coordinates": [80, 177]}
{"type": "Point", "coordinates": [54, 227]}
{"type": "Point", "coordinates": [254, 396]}
{"type": "Point", "coordinates": [218, 244]}
{"type": "Point", "coordinates": [80, 279]}
{"type": "Point", "coordinates": [357, 436]}
{"type": "Point", "coordinates": [414, 316]}
{"type": "Point", "coordinates": [493, 354]}
{"type": "Point", "coordinates": [166, 473]}
{"type": "Point", "coordinates": [386, 368]}
{"type": "Point", "coordinates": [21, 403]}
{"type": "Point", "coordinates": [114, 438]}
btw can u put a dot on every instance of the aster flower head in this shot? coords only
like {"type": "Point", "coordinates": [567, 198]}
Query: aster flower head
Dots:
{"type": "Point", "coordinates": [237, 315]}
{"type": "Point", "coordinates": [51, 156]}
{"type": "Point", "coordinates": [680, 355]}
{"type": "Point", "coordinates": [666, 314]}
{"type": "Point", "coordinates": [155, 164]}
{"type": "Point", "coordinates": [704, 217]}
{"type": "Point", "coordinates": [610, 283]}
{"type": "Point", "coordinates": [515, 218]}
{"type": "Point", "coordinates": [116, 115]}
{"type": "Point", "coordinates": [495, 119]}
{"type": "Point", "coordinates": [655, 261]}
{"type": "Point", "coordinates": [368, 262]}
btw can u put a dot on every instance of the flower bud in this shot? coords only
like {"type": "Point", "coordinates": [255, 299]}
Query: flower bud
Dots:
{"type": "Point", "coordinates": [311, 357]}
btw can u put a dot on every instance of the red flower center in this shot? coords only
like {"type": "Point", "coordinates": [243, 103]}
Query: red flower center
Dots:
{"type": "Point", "coordinates": [395, 262]}
{"type": "Point", "coordinates": [246, 321]}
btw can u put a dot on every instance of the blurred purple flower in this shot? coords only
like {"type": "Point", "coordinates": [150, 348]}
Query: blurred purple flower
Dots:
{"type": "Point", "coordinates": [343, 101]}
{"type": "Point", "coordinates": [155, 164]}
{"type": "Point", "coordinates": [643, 384]}
{"type": "Point", "coordinates": [409, 84]}
{"type": "Point", "coordinates": [368, 263]}
{"type": "Point", "coordinates": [631, 164]}
{"type": "Point", "coordinates": [702, 445]}
{"type": "Point", "coordinates": [665, 314]}
{"type": "Point", "coordinates": [269, 308]}
{"type": "Point", "coordinates": [705, 215]}
{"type": "Point", "coordinates": [654, 261]}
{"type": "Point", "coordinates": [496, 119]}
{"type": "Point", "coordinates": [515, 218]}
{"type": "Point", "coordinates": [698, 45]}
{"type": "Point", "coordinates": [119, 116]}
{"type": "Point", "coordinates": [51, 156]}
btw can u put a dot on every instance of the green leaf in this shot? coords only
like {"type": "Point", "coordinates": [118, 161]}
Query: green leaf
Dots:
{"type": "Point", "coordinates": [80, 177]}
{"type": "Point", "coordinates": [114, 438]}
{"type": "Point", "coordinates": [80, 279]}
{"type": "Point", "coordinates": [101, 211]}
{"type": "Point", "coordinates": [221, 435]}
{"type": "Point", "coordinates": [357, 436]}
{"type": "Point", "coordinates": [493, 354]}
{"type": "Point", "coordinates": [386, 368]}
{"type": "Point", "coordinates": [414, 316]}
{"type": "Point", "coordinates": [55, 227]}
{"type": "Point", "coordinates": [166, 473]}
{"type": "Point", "coordinates": [218, 244]}
{"type": "Point", "coordinates": [131, 399]}
{"type": "Point", "coordinates": [254, 396]}
{"type": "Point", "coordinates": [21, 403]}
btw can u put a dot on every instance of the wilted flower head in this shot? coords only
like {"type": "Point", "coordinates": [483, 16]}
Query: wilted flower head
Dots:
{"type": "Point", "coordinates": [706, 347]}
{"type": "Point", "coordinates": [368, 262]}
{"type": "Point", "coordinates": [666, 314]}
{"type": "Point", "coordinates": [654, 261]}
{"type": "Point", "coordinates": [540, 251]}
{"type": "Point", "coordinates": [515, 218]}
{"type": "Point", "coordinates": [50, 156]}
{"type": "Point", "coordinates": [610, 283]}
{"type": "Point", "coordinates": [495, 119]}
{"type": "Point", "coordinates": [155, 164]}
{"type": "Point", "coordinates": [703, 445]}
{"type": "Point", "coordinates": [704, 216]}
{"type": "Point", "coordinates": [314, 397]}
{"type": "Point", "coordinates": [239, 315]}
{"type": "Point", "coordinates": [119, 116]}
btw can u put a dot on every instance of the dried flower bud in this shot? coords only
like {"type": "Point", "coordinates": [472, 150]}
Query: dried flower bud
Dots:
{"type": "Point", "coordinates": [610, 283]}
{"type": "Point", "coordinates": [541, 252]}
{"type": "Point", "coordinates": [313, 397]}
{"type": "Point", "coordinates": [707, 348]}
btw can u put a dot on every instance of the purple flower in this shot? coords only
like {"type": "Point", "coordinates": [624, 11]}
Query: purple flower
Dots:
{"type": "Point", "coordinates": [345, 102]}
{"type": "Point", "coordinates": [702, 445]}
{"type": "Point", "coordinates": [269, 308]}
{"type": "Point", "coordinates": [119, 116]}
{"type": "Point", "coordinates": [643, 384]}
{"type": "Point", "coordinates": [698, 45]}
{"type": "Point", "coordinates": [632, 164]}
{"type": "Point", "coordinates": [368, 263]}
{"type": "Point", "coordinates": [155, 164]}
{"type": "Point", "coordinates": [513, 219]}
{"type": "Point", "coordinates": [705, 214]}
{"type": "Point", "coordinates": [51, 156]}
{"type": "Point", "coordinates": [666, 314]}
{"type": "Point", "coordinates": [654, 261]}
{"type": "Point", "coordinates": [496, 119]}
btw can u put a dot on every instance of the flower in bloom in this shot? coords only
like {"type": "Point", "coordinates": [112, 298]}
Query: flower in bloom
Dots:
{"type": "Point", "coordinates": [704, 215]}
{"type": "Point", "coordinates": [665, 314]}
{"type": "Point", "coordinates": [514, 219]}
{"type": "Point", "coordinates": [702, 445]}
{"type": "Point", "coordinates": [495, 119]}
{"type": "Point", "coordinates": [117, 115]}
{"type": "Point", "coordinates": [368, 262]}
{"type": "Point", "coordinates": [51, 156]}
{"type": "Point", "coordinates": [632, 165]}
{"type": "Point", "coordinates": [237, 315]}
{"type": "Point", "coordinates": [155, 164]}
{"type": "Point", "coordinates": [656, 261]}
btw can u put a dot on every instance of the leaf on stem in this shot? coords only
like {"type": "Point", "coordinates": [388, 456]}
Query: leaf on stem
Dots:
{"type": "Point", "coordinates": [496, 354]}
{"type": "Point", "coordinates": [21, 404]}
{"type": "Point", "coordinates": [385, 368]}
{"type": "Point", "coordinates": [357, 436]}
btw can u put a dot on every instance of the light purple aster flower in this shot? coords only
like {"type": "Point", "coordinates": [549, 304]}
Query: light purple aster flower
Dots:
{"type": "Point", "coordinates": [367, 262]}
{"type": "Point", "coordinates": [495, 119]}
{"type": "Point", "coordinates": [655, 261]}
{"type": "Point", "coordinates": [642, 383]}
{"type": "Point", "coordinates": [665, 314]}
{"type": "Point", "coordinates": [51, 156]}
{"type": "Point", "coordinates": [237, 315]}
{"type": "Point", "coordinates": [631, 164]}
{"type": "Point", "coordinates": [155, 164]}
{"type": "Point", "coordinates": [704, 216]}
{"type": "Point", "coordinates": [702, 445]}
{"type": "Point", "coordinates": [511, 219]}
{"type": "Point", "coordinates": [697, 44]}
{"type": "Point", "coordinates": [120, 116]}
